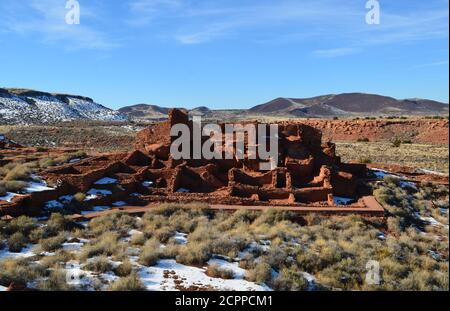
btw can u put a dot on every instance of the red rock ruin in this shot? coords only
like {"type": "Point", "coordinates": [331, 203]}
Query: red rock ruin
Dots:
{"type": "Point", "coordinates": [308, 173]}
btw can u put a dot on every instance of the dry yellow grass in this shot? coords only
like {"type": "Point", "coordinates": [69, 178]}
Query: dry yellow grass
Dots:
{"type": "Point", "coordinates": [424, 156]}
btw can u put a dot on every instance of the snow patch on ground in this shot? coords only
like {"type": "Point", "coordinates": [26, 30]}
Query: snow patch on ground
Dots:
{"type": "Point", "coordinates": [96, 209]}
{"type": "Point", "coordinates": [119, 203]}
{"type": "Point", "coordinates": [8, 197]}
{"type": "Point", "coordinates": [98, 191]}
{"type": "Point", "coordinates": [25, 253]}
{"type": "Point", "coordinates": [180, 238]}
{"type": "Point", "coordinates": [154, 280]}
{"type": "Point", "coordinates": [342, 200]}
{"type": "Point", "coordinates": [54, 205]}
{"type": "Point", "coordinates": [183, 190]}
{"type": "Point", "coordinates": [37, 186]}
{"type": "Point", "coordinates": [106, 181]}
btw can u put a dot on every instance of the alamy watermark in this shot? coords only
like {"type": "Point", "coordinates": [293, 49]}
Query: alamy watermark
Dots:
{"type": "Point", "coordinates": [73, 13]}
{"type": "Point", "coordinates": [262, 142]}
{"type": "Point", "coordinates": [373, 272]}
{"type": "Point", "coordinates": [374, 13]}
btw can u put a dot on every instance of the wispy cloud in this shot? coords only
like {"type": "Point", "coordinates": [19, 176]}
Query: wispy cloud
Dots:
{"type": "Point", "coordinates": [433, 64]}
{"type": "Point", "coordinates": [340, 27]}
{"type": "Point", "coordinates": [145, 11]}
{"type": "Point", "coordinates": [46, 18]}
{"type": "Point", "coordinates": [337, 52]}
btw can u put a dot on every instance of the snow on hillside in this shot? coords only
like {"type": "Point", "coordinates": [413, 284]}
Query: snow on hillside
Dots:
{"type": "Point", "coordinates": [22, 109]}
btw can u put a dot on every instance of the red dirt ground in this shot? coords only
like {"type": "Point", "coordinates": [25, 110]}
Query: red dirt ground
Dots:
{"type": "Point", "coordinates": [418, 131]}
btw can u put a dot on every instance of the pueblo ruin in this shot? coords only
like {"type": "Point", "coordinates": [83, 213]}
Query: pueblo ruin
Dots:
{"type": "Point", "coordinates": [309, 174]}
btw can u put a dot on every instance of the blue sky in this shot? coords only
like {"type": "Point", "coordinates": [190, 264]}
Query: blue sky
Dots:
{"type": "Point", "coordinates": [225, 53]}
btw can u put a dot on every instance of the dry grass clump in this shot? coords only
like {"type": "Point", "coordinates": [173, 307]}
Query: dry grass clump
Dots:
{"type": "Point", "coordinates": [194, 254]}
{"type": "Point", "coordinates": [124, 269]}
{"type": "Point", "coordinates": [56, 281]}
{"type": "Point", "coordinates": [16, 172]}
{"type": "Point", "coordinates": [260, 273]}
{"type": "Point", "coordinates": [289, 280]}
{"type": "Point", "coordinates": [117, 222]}
{"type": "Point", "coordinates": [63, 159]}
{"type": "Point", "coordinates": [53, 243]}
{"type": "Point", "coordinates": [58, 259]}
{"type": "Point", "coordinates": [14, 177]}
{"type": "Point", "coordinates": [107, 244]}
{"type": "Point", "coordinates": [129, 283]}
{"type": "Point", "coordinates": [138, 239]}
{"type": "Point", "coordinates": [17, 242]}
{"type": "Point", "coordinates": [100, 264]}
{"type": "Point", "coordinates": [150, 253]}
{"type": "Point", "coordinates": [19, 271]}
{"type": "Point", "coordinates": [215, 271]}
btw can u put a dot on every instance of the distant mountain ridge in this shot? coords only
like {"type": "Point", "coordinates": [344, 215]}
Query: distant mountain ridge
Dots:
{"type": "Point", "coordinates": [346, 104]}
{"type": "Point", "coordinates": [22, 106]}
{"type": "Point", "coordinates": [349, 103]}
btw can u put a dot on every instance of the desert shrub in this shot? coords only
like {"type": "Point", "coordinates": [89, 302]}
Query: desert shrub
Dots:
{"type": "Point", "coordinates": [100, 264]}
{"type": "Point", "coordinates": [194, 253]}
{"type": "Point", "coordinates": [129, 283]}
{"type": "Point", "coordinates": [228, 245]}
{"type": "Point", "coordinates": [150, 253]}
{"type": "Point", "coordinates": [170, 251]}
{"type": "Point", "coordinates": [56, 223]}
{"type": "Point", "coordinates": [79, 197]}
{"type": "Point", "coordinates": [41, 149]}
{"type": "Point", "coordinates": [22, 224]}
{"type": "Point", "coordinates": [163, 234]}
{"type": "Point", "coordinates": [365, 160]}
{"type": "Point", "coordinates": [273, 216]}
{"type": "Point", "coordinates": [346, 274]}
{"type": "Point", "coordinates": [260, 274]}
{"type": "Point", "coordinates": [14, 186]}
{"type": "Point", "coordinates": [215, 271]}
{"type": "Point", "coordinates": [55, 282]}
{"type": "Point", "coordinates": [124, 269]}
{"type": "Point", "coordinates": [122, 223]}
{"type": "Point", "coordinates": [363, 140]}
{"type": "Point", "coordinates": [69, 156]}
{"type": "Point", "coordinates": [396, 142]}
{"type": "Point", "coordinates": [53, 243]}
{"type": "Point", "coordinates": [247, 261]}
{"type": "Point", "coordinates": [17, 242]}
{"type": "Point", "coordinates": [19, 172]}
{"type": "Point", "coordinates": [19, 272]}
{"type": "Point", "coordinates": [290, 279]}
{"type": "Point", "coordinates": [45, 163]}
{"type": "Point", "coordinates": [59, 258]}
{"type": "Point", "coordinates": [138, 239]}
{"type": "Point", "coordinates": [276, 257]}
{"type": "Point", "coordinates": [107, 244]}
